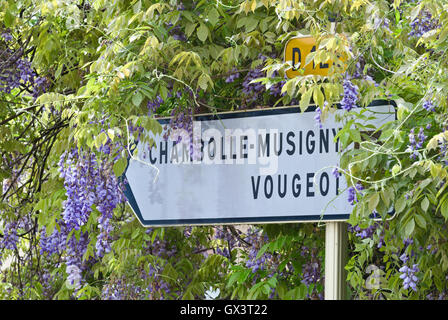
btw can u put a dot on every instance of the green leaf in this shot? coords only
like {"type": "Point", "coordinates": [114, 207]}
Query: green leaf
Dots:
{"type": "Point", "coordinates": [373, 201]}
{"type": "Point", "coordinates": [8, 19]}
{"type": "Point", "coordinates": [189, 29]}
{"type": "Point", "coordinates": [188, 15]}
{"type": "Point", "coordinates": [386, 195]}
{"type": "Point", "coordinates": [203, 81]}
{"type": "Point", "coordinates": [305, 100]}
{"type": "Point", "coordinates": [303, 290]}
{"type": "Point", "coordinates": [120, 166]}
{"type": "Point", "coordinates": [50, 226]}
{"type": "Point", "coordinates": [163, 91]}
{"type": "Point", "coordinates": [425, 204]}
{"type": "Point", "coordinates": [344, 136]}
{"type": "Point", "coordinates": [213, 16]}
{"type": "Point", "coordinates": [111, 134]}
{"type": "Point", "coordinates": [262, 250]}
{"type": "Point", "coordinates": [288, 87]}
{"type": "Point", "coordinates": [409, 228]}
{"type": "Point", "coordinates": [400, 204]}
{"type": "Point", "coordinates": [100, 140]}
{"type": "Point", "coordinates": [444, 208]}
{"type": "Point", "coordinates": [355, 135]}
{"type": "Point", "coordinates": [137, 98]}
{"type": "Point", "coordinates": [421, 222]}
{"type": "Point", "coordinates": [396, 169]}
{"type": "Point", "coordinates": [188, 295]}
{"type": "Point", "coordinates": [318, 96]}
{"type": "Point", "coordinates": [202, 32]}
{"type": "Point", "coordinates": [251, 23]}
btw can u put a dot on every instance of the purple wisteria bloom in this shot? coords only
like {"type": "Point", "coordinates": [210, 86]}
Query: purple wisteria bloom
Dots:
{"type": "Point", "coordinates": [154, 104]}
{"type": "Point", "coordinates": [407, 242]}
{"type": "Point", "coordinates": [428, 105]}
{"type": "Point", "coordinates": [276, 89]}
{"type": "Point", "coordinates": [421, 138]}
{"type": "Point", "coordinates": [363, 233]}
{"type": "Point", "coordinates": [88, 182]}
{"type": "Point", "coordinates": [232, 76]}
{"type": "Point", "coordinates": [311, 270]}
{"type": "Point", "coordinates": [252, 90]}
{"type": "Point", "coordinates": [404, 258]}
{"type": "Point", "coordinates": [256, 239]}
{"type": "Point", "coordinates": [310, 273]}
{"type": "Point", "coordinates": [41, 85]}
{"type": "Point", "coordinates": [6, 36]}
{"type": "Point", "coordinates": [54, 243]}
{"type": "Point", "coordinates": [350, 95]}
{"type": "Point", "coordinates": [352, 198]}
{"type": "Point", "coordinates": [416, 143]}
{"type": "Point", "coordinates": [335, 172]}
{"type": "Point", "coordinates": [367, 232]}
{"type": "Point", "coordinates": [317, 117]}
{"type": "Point", "coordinates": [423, 23]}
{"type": "Point", "coordinates": [10, 237]}
{"type": "Point", "coordinates": [408, 276]}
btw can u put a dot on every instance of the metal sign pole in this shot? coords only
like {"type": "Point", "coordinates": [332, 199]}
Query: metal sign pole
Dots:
{"type": "Point", "coordinates": [335, 260]}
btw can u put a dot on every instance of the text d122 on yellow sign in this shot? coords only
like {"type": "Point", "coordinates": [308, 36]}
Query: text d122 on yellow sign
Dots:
{"type": "Point", "coordinates": [296, 51]}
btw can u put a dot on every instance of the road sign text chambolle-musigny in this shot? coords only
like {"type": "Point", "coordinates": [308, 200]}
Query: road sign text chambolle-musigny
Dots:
{"type": "Point", "coordinates": [259, 166]}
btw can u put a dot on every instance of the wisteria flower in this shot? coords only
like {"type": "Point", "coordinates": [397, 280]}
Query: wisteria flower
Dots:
{"type": "Point", "coordinates": [350, 98]}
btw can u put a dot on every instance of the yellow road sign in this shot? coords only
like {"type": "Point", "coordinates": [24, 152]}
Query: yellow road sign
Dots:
{"type": "Point", "coordinates": [296, 51]}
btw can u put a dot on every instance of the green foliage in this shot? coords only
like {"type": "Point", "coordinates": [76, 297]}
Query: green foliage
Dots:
{"type": "Point", "coordinates": [106, 60]}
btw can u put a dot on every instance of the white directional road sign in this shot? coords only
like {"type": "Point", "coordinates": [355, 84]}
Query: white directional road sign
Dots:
{"type": "Point", "coordinates": [261, 166]}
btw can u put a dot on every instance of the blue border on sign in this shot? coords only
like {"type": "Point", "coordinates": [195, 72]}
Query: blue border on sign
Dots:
{"type": "Point", "coordinates": [241, 220]}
